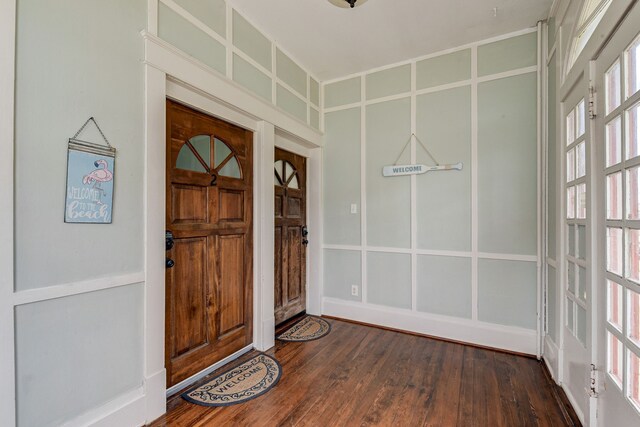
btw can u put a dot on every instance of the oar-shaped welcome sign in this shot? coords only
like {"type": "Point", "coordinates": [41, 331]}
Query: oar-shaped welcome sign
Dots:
{"type": "Point", "coordinates": [401, 170]}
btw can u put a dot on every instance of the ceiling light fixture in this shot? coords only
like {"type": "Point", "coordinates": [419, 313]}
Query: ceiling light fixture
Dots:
{"type": "Point", "coordinates": [347, 3]}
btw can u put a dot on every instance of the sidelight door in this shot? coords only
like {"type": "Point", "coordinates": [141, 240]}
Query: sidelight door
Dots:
{"type": "Point", "coordinates": [290, 235]}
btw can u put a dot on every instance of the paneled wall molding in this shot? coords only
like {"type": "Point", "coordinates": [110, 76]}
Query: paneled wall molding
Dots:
{"type": "Point", "coordinates": [435, 54]}
{"type": "Point", "coordinates": [231, 51]}
{"type": "Point", "coordinates": [439, 88]}
{"type": "Point", "coordinates": [76, 288]}
{"type": "Point", "coordinates": [464, 330]}
{"type": "Point", "coordinates": [189, 70]}
{"type": "Point", "coordinates": [7, 105]}
{"type": "Point", "coordinates": [351, 96]}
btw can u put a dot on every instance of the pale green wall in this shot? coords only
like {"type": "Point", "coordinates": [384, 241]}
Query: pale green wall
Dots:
{"type": "Point", "coordinates": [76, 59]}
{"type": "Point", "coordinates": [176, 30]}
{"type": "Point", "coordinates": [506, 178]}
{"type": "Point", "coordinates": [199, 28]}
{"type": "Point", "coordinates": [342, 270]}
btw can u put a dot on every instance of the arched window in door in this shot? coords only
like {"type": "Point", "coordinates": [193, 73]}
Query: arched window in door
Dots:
{"type": "Point", "coordinates": [286, 175]}
{"type": "Point", "coordinates": [200, 152]}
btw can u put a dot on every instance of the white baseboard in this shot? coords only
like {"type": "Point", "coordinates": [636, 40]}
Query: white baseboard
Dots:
{"type": "Point", "coordinates": [465, 330]}
{"type": "Point", "coordinates": [574, 403]}
{"type": "Point", "coordinates": [156, 397]}
{"type": "Point", "coordinates": [550, 357]}
{"type": "Point", "coordinates": [125, 410]}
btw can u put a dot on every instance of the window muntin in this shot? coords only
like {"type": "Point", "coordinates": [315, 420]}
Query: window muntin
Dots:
{"type": "Point", "coordinates": [622, 184]}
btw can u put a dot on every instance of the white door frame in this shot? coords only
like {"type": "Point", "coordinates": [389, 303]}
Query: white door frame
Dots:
{"type": "Point", "coordinates": [7, 98]}
{"type": "Point", "coordinates": [171, 73]}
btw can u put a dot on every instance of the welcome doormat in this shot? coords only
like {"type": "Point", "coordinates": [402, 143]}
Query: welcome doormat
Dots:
{"type": "Point", "coordinates": [247, 381]}
{"type": "Point", "coordinates": [308, 329]}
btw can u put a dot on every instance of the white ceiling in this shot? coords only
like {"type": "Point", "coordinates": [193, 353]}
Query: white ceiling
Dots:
{"type": "Point", "coordinates": [332, 42]}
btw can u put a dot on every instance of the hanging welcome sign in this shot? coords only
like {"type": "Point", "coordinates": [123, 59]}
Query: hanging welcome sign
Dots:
{"type": "Point", "coordinates": [417, 169]}
{"type": "Point", "coordinates": [90, 175]}
{"type": "Point", "coordinates": [401, 170]}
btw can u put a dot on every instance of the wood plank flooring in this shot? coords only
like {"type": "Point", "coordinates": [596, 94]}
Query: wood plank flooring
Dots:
{"type": "Point", "coordinates": [365, 376]}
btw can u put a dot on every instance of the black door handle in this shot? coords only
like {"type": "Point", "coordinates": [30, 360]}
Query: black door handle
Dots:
{"type": "Point", "coordinates": [168, 240]}
{"type": "Point", "coordinates": [169, 263]}
{"type": "Point", "coordinates": [305, 231]}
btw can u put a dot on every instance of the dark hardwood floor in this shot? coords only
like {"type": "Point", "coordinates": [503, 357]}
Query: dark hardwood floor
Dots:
{"type": "Point", "coordinates": [360, 376]}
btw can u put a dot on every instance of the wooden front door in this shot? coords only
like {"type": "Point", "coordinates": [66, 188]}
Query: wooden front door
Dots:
{"type": "Point", "coordinates": [290, 239]}
{"type": "Point", "coordinates": [209, 228]}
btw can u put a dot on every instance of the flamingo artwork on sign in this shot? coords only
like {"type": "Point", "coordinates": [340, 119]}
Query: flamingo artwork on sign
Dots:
{"type": "Point", "coordinates": [98, 176]}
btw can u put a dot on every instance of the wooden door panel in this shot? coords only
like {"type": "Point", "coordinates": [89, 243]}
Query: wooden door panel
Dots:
{"type": "Point", "coordinates": [294, 258]}
{"type": "Point", "coordinates": [230, 266]}
{"type": "Point", "coordinates": [231, 205]}
{"type": "Point", "coordinates": [290, 252]}
{"type": "Point", "coordinates": [190, 290]}
{"type": "Point", "coordinates": [189, 204]}
{"type": "Point", "coordinates": [278, 279]}
{"type": "Point", "coordinates": [209, 290]}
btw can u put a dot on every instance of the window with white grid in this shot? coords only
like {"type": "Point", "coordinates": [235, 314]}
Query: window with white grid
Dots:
{"type": "Point", "coordinates": [622, 187]}
{"type": "Point", "coordinates": [576, 194]}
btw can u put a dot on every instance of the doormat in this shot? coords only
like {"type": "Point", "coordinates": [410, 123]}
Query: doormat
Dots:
{"type": "Point", "coordinates": [247, 381]}
{"type": "Point", "coordinates": [308, 329]}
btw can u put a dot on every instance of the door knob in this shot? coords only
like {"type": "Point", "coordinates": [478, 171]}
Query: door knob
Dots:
{"type": "Point", "coordinates": [169, 263]}
{"type": "Point", "coordinates": [305, 231]}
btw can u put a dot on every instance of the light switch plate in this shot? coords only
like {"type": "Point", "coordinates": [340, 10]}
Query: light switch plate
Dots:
{"type": "Point", "coordinates": [354, 208]}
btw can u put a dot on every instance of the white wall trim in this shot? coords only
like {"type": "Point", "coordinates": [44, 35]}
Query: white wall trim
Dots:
{"type": "Point", "coordinates": [465, 330]}
{"type": "Point", "coordinates": [7, 106]}
{"type": "Point", "coordinates": [126, 409]}
{"type": "Point", "coordinates": [165, 57]}
{"type": "Point", "coordinates": [263, 237]}
{"type": "Point", "coordinates": [434, 54]}
{"type": "Point", "coordinates": [75, 288]}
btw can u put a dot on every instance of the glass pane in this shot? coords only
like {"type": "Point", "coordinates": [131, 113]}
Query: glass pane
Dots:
{"type": "Point", "coordinates": [570, 308]}
{"type": "Point", "coordinates": [581, 324]}
{"type": "Point", "coordinates": [633, 193]}
{"type": "Point", "coordinates": [288, 171]}
{"type": "Point", "coordinates": [571, 277]}
{"type": "Point", "coordinates": [580, 117]}
{"type": "Point", "coordinates": [188, 161]}
{"type": "Point", "coordinates": [231, 169]}
{"type": "Point", "coordinates": [633, 255]}
{"type": "Point", "coordinates": [221, 152]}
{"type": "Point", "coordinates": [614, 359]}
{"type": "Point", "coordinates": [633, 327]}
{"type": "Point", "coordinates": [571, 240]}
{"type": "Point", "coordinates": [614, 196]}
{"type": "Point", "coordinates": [294, 183]}
{"type": "Point", "coordinates": [582, 284]}
{"type": "Point", "coordinates": [571, 127]}
{"type": "Point", "coordinates": [571, 165]}
{"type": "Point", "coordinates": [633, 67]}
{"type": "Point", "coordinates": [614, 250]}
{"type": "Point", "coordinates": [614, 141]}
{"type": "Point", "coordinates": [582, 201]}
{"type": "Point", "coordinates": [571, 202]}
{"type": "Point", "coordinates": [581, 159]}
{"type": "Point", "coordinates": [582, 242]}
{"type": "Point", "coordinates": [202, 144]}
{"type": "Point", "coordinates": [633, 378]}
{"type": "Point", "coordinates": [614, 304]}
{"type": "Point", "coordinates": [612, 87]}
{"type": "Point", "coordinates": [279, 171]}
{"type": "Point", "coordinates": [633, 132]}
